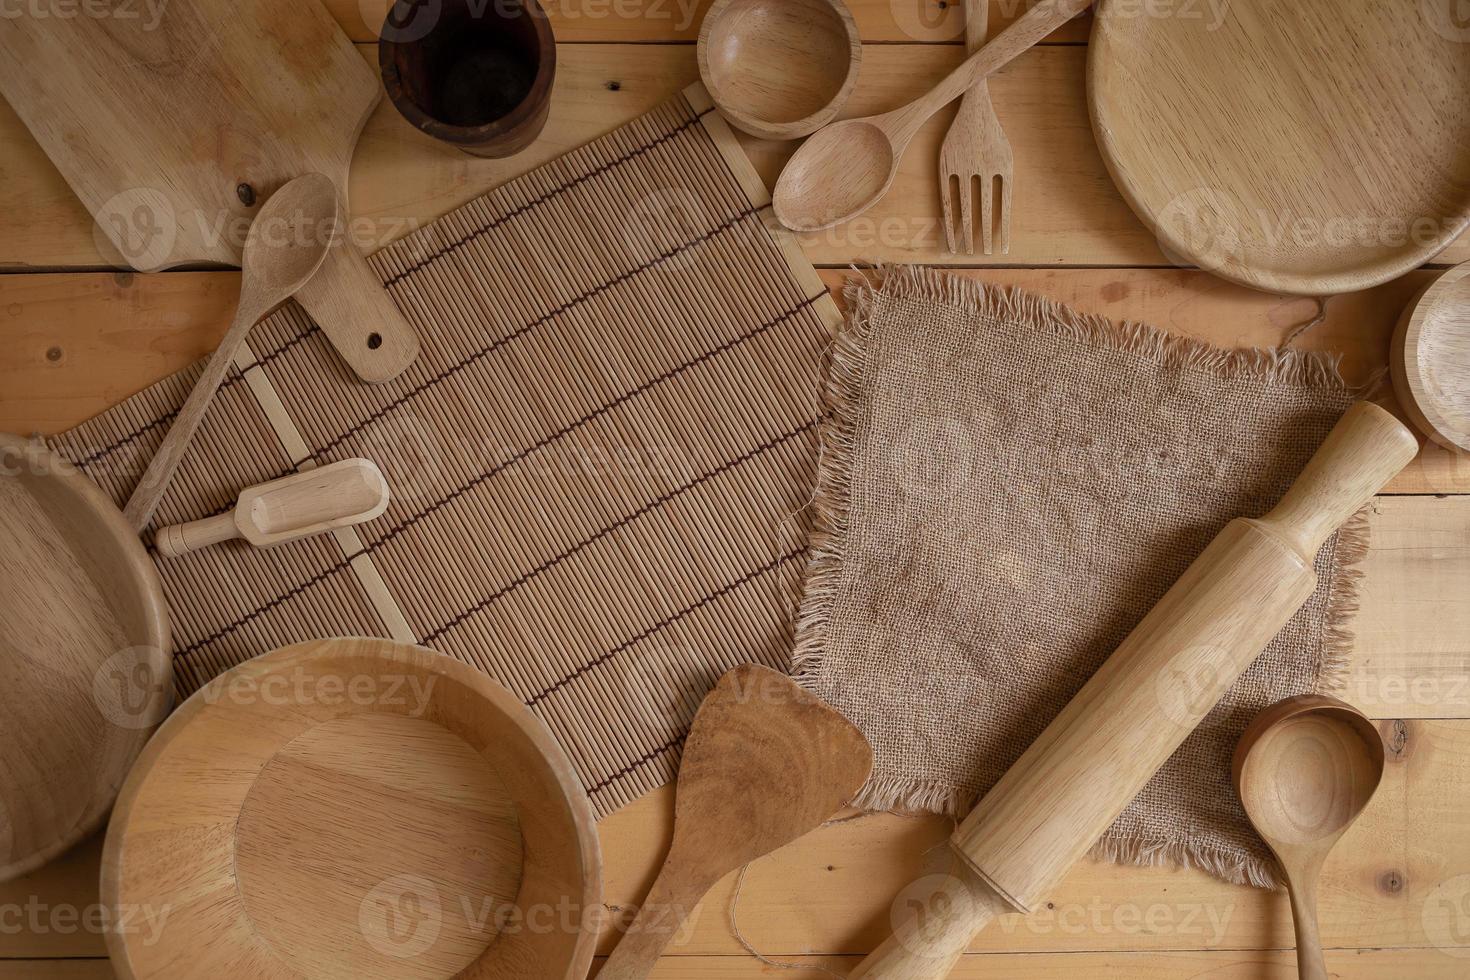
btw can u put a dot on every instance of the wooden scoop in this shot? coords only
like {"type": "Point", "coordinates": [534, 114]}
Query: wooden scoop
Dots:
{"type": "Point", "coordinates": [294, 507]}
{"type": "Point", "coordinates": [1305, 769]}
{"type": "Point", "coordinates": [765, 763]}
{"type": "Point", "coordinates": [287, 244]}
{"type": "Point", "coordinates": [847, 167]}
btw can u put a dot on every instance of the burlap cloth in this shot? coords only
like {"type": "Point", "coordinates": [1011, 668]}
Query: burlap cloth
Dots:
{"type": "Point", "coordinates": [1006, 488]}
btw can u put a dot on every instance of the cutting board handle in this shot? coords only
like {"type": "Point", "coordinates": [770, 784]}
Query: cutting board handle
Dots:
{"type": "Point", "coordinates": [348, 301]}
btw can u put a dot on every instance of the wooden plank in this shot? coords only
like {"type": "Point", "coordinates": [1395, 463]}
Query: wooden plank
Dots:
{"type": "Point", "coordinates": [929, 21]}
{"type": "Point", "coordinates": [76, 344]}
{"type": "Point", "coordinates": [1365, 964]}
{"type": "Point", "coordinates": [1398, 880]}
{"type": "Point", "coordinates": [1067, 211]}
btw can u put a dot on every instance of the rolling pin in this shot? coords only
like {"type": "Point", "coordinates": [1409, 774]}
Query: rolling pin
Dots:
{"type": "Point", "coordinates": [1069, 787]}
{"type": "Point", "coordinates": [294, 507]}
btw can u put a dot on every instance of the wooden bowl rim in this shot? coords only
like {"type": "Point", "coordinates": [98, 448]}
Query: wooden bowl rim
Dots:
{"type": "Point", "coordinates": [1405, 359]}
{"type": "Point", "coordinates": [493, 694]}
{"type": "Point", "coordinates": [120, 538]}
{"type": "Point", "coordinates": [530, 113]}
{"type": "Point", "coordinates": [1344, 280]}
{"type": "Point", "coordinates": [764, 128]}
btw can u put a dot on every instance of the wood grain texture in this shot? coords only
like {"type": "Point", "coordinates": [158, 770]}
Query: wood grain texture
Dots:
{"type": "Point", "coordinates": [1431, 360]}
{"type": "Point", "coordinates": [765, 763]}
{"type": "Point", "coordinates": [401, 179]}
{"type": "Point", "coordinates": [779, 69]}
{"type": "Point", "coordinates": [976, 164]}
{"type": "Point", "coordinates": [1310, 147]}
{"type": "Point", "coordinates": [843, 170]}
{"type": "Point", "coordinates": [928, 21]}
{"type": "Point", "coordinates": [84, 655]}
{"type": "Point", "coordinates": [272, 92]}
{"type": "Point", "coordinates": [58, 369]}
{"type": "Point", "coordinates": [344, 807]}
{"type": "Point", "coordinates": [1304, 770]}
{"type": "Point", "coordinates": [318, 500]}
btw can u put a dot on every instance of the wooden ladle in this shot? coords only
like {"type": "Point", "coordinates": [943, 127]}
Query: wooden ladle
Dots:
{"type": "Point", "coordinates": [847, 167]}
{"type": "Point", "coordinates": [765, 763]}
{"type": "Point", "coordinates": [1305, 769]}
{"type": "Point", "coordinates": [287, 243]}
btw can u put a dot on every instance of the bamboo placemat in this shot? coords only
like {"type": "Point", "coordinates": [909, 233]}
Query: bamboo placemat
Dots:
{"type": "Point", "coordinates": [599, 462]}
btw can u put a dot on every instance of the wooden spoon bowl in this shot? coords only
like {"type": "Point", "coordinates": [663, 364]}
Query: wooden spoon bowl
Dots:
{"type": "Point", "coordinates": [779, 69]}
{"type": "Point", "coordinates": [85, 672]}
{"type": "Point", "coordinates": [353, 808]}
{"type": "Point", "coordinates": [1431, 360]}
{"type": "Point", "coordinates": [1304, 770]}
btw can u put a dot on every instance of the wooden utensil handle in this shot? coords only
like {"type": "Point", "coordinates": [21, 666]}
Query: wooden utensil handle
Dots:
{"type": "Point", "coordinates": [659, 920]}
{"type": "Point", "coordinates": [1015, 40]}
{"type": "Point", "coordinates": [180, 539]}
{"type": "Point", "coordinates": [977, 24]}
{"type": "Point", "coordinates": [933, 928]}
{"type": "Point", "coordinates": [1310, 963]}
{"type": "Point", "coordinates": [150, 489]}
{"type": "Point", "coordinates": [348, 301]}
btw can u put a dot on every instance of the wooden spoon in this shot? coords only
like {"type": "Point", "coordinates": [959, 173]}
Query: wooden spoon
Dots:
{"type": "Point", "coordinates": [765, 763]}
{"type": "Point", "coordinates": [288, 241]}
{"type": "Point", "coordinates": [847, 167]}
{"type": "Point", "coordinates": [1304, 770]}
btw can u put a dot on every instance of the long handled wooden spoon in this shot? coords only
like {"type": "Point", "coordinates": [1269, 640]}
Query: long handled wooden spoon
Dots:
{"type": "Point", "coordinates": [288, 241]}
{"type": "Point", "coordinates": [1304, 770]}
{"type": "Point", "coordinates": [847, 167]}
{"type": "Point", "coordinates": [765, 763]}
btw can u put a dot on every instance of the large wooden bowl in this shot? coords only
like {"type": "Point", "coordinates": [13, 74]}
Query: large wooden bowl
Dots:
{"type": "Point", "coordinates": [353, 808]}
{"type": "Point", "coordinates": [779, 69]}
{"type": "Point", "coordinates": [85, 672]}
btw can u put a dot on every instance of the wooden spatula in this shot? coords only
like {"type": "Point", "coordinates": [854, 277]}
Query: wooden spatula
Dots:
{"type": "Point", "coordinates": [765, 763]}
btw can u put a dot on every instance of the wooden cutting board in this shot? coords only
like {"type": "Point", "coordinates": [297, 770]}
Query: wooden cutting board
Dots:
{"type": "Point", "coordinates": [173, 128]}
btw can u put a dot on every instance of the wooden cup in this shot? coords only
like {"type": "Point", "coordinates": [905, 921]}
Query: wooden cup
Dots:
{"type": "Point", "coordinates": [476, 74]}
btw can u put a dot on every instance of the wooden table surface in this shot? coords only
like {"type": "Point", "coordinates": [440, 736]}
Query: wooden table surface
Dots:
{"type": "Point", "coordinates": [77, 336]}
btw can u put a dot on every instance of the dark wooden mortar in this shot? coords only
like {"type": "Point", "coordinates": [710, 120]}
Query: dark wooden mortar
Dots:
{"type": "Point", "coordinates": [476, 74]}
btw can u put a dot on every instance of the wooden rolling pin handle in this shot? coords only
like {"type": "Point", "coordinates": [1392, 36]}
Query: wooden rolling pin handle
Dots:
{"type": "Point", "coordinates": [180, 539]}
{"type": "Point", "coordinates": [934, 923]}
{"type": "Point", "coordinates": [1366, 450]}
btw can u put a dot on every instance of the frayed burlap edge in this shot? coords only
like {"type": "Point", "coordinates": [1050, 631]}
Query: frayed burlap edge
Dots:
{"type": "Point", "coordinates": [846, 368]}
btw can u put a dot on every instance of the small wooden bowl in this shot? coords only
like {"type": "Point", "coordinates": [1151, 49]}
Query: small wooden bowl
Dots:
{"type": "Point", "coordinates": [779, 69]}
{"type": "Point", "coordinates": [353, 808]}
{"type": "Point", "coordinates": [477, 76]}
{"type": "Point", "coordinates": [85, 671]}
{"type": "Point", "coordinates": [1431, 360]}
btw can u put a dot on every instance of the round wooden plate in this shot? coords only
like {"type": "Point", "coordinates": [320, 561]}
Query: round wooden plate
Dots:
{"type": "Point", "coordinates": [1301, 146]}
{"type": "Point", "coordinates": [1431, 360]}
{"type": "Point", "coordinates": [353, 808]}
{"type": "Point", "coordinates": [85, 672]}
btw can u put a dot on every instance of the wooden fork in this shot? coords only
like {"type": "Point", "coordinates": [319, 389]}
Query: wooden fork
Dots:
{"type": "Point", "coordinates": [976, 151]}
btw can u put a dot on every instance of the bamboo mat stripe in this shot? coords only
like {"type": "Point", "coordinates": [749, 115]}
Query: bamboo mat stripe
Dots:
{"type": "Point", "coordinates": [600, 463]}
